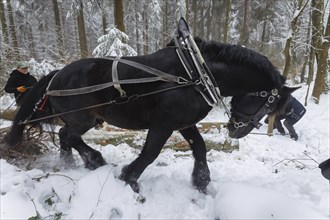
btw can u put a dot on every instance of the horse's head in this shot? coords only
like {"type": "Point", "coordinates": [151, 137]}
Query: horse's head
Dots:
{"type": "Point", "coordinates": [248, 109]}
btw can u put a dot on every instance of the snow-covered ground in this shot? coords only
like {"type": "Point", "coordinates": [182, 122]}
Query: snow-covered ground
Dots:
{"type": "Point", "coordinates": [267, 178]}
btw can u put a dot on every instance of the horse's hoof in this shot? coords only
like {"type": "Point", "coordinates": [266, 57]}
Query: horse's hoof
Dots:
{"type": "Point", "coordinates": [93, 161]}
{"type": "Point", "coordinates": [201, 184]}
{"type": "Point", "coordinates": [67, 159]}
{"type": "Point", "coordinates": [135, 186]}
{"type": "Point", "coordinates": [201, 177]}
{"type": "Point", "coordinates": [95, 164]}
{"type": "Point", "coordinates": [128, 179]}
{"type": "Point", "coordinates": [133, 183]}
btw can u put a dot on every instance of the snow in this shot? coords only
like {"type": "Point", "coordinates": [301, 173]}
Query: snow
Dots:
{"type": "Point", "coordinates": [267, 178]}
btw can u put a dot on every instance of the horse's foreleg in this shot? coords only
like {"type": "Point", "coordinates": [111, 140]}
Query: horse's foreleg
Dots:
{"type": "Point", "coordinates": [156, 138]}
{"type": "Point", "coordinates": [66, 150]}
{"type": "Point", "coordinates": [201, 172]}
{"type": "Point", "coordinates": [92, 158]}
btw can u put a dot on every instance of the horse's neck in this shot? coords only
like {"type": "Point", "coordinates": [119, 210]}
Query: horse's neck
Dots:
{"type": "Point", "coordinates": [235, 80]}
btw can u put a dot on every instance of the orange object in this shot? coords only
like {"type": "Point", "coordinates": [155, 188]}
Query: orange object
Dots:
{"type": "Point", "coordinates": [21, 89]}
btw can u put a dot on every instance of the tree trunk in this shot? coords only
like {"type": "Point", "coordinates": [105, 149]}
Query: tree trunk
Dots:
{"type": "Point", "coordinates": [58, 31]}
{"type": "Point", "coordinates": [244, 31]}
{"type": "Point", "coordinates": [119, 15]}
{"type": "Point", "coordinates": [4, 25]}
{"type": "Point", "coordinates": [145, 31]}
{"type": "Point", "coordinates": [187, 10]}
{"type": "Point", "coordinates": [82, 32]}
{"type": "Point", "coordinates": [208, 22]}
{"type": "Point", "coordinates": [165, 24]}
{"type": "Point", "coordinates": [30, 37]}
{"type": "Point", "coordinates": [227, 21]}
{"type": "Point", "coordinates": [137, 31]}
{"type": "Point", "coordinates": [194, 9]}
{"type": "Point", "coordinates": [308, 47]}
{"type": "Point", "coordinates": [321, 74]}
{"type": "Point", "coordinates": [287, 55]}
{"type": "Point", "coordinates": [289, 41]}
{"type": "Point", "coordinates": [12, 30]}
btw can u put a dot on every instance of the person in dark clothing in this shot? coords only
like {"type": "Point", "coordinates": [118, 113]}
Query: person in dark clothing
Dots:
{"type": "Point", "coordinates": [294, 111]}
{"type": "Point", "coordinates": [20, 81]}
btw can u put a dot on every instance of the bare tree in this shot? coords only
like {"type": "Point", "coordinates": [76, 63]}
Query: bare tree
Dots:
{"type": "Point", "coordinates": [244, 32]}
{"type": "Point", "coordinates": [82, 32]}
{"type": "Point", "coordinates": [12, 31]}
{"type": "Point", "coordinates": [227, 21]}
{"type": "Point", "coordinates": [119, 17]}
{"type": "Point", "coordinates": [289, 41]}
{"type": "Point", "coordinates": [322, 54]}
{"type": "Point", "coordinates": [58, 31]}
{"type": "Point", "coordinates": [4, 26]}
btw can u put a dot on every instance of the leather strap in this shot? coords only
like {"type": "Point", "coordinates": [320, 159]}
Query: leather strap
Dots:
{"type": "Point", "coordinates": [159, 76]}
{"type": "Point", "coordinates": [115, 77]}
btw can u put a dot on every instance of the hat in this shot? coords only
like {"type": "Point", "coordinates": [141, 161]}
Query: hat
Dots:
{"type": "Point", "coordinates": [23, 64]}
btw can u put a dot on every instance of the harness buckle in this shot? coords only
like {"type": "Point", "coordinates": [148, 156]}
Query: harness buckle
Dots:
{"type": "Point", "coordinates": [263, 94]}
{"type": "Point", "coordinates": [182, 80]}
{"type": "Point", "coordinates": [271, 99]}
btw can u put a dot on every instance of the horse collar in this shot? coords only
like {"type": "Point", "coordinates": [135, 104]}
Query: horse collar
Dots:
{"type": "Point", "coordinates": [197, 70]}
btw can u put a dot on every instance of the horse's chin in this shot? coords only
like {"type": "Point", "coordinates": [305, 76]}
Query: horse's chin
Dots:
{"type": "Point", "coordinates": [238, 133]}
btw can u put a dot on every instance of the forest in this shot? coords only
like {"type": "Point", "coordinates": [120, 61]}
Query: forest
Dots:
{"type": "Point", "coordinates": [293, 34]}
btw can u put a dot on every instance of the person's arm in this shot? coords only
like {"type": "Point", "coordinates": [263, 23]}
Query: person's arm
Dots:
{"type": "Point", "coordinates": [11, 86]}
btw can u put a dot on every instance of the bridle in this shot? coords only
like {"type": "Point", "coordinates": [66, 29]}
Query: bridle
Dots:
{"type": "Point", "coordinates": [270, 104]}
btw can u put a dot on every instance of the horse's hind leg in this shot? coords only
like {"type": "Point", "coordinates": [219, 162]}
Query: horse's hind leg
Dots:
{"type": "Point", "coordinates": [66, 150]}
{"type": "Point", "coordinates": [68, 140]}
{"type": "Point", "coordinates": [201, 172]}
{"type": "Point", "coordinates": [92, 158]}
{"type": "Point", "coordinates": [156, 138]}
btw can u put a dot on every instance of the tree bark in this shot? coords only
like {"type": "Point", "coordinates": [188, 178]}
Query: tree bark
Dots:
{"type": "Point", "coordinates": [308, 46]}
{"type": "Point", "coordinates": [289, 41]}
{"type": "Point", "coordinates": [227, 21]}
{"type": "Point", "coordinates": [58, 31]}
{"type": "Point", "coordinates": [119, 15]}
{"type": "Point", "coordinates": [4, 27]}
{"type": "Point", "coordinates": [82, 32]}
{"type": "Point", "coordinates": [187, 10]}
{"type": "Point", "coordinates": [244, 32]}
{"type": "Point", "coordinates": [12, 30]}
{"type": "Point", "coordinates": [194, 9]}
{"type": "Point", "coordinates": [321, 74]}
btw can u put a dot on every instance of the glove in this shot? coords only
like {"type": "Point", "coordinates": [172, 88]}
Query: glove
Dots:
{"type": "Point", "coordinates": [21, 89]}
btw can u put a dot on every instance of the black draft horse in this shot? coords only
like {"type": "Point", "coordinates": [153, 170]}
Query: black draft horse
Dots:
{"type": "Point", "coordinates": [236, 70]}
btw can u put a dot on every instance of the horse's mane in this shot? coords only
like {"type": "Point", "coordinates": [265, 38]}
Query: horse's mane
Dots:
{"type": "Point", "coordinates": [238, 55]}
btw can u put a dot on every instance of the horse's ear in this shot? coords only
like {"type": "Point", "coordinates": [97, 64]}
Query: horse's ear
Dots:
{"type": "Point", "coordinates": [287, 90]}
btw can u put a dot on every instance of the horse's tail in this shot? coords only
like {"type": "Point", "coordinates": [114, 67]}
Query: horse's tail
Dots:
{"type": "Point", "coordinates": [26, 109]}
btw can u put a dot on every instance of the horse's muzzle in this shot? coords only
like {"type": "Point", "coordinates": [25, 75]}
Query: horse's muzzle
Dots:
{"type": "Point", "coordinates": [240, 132]}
